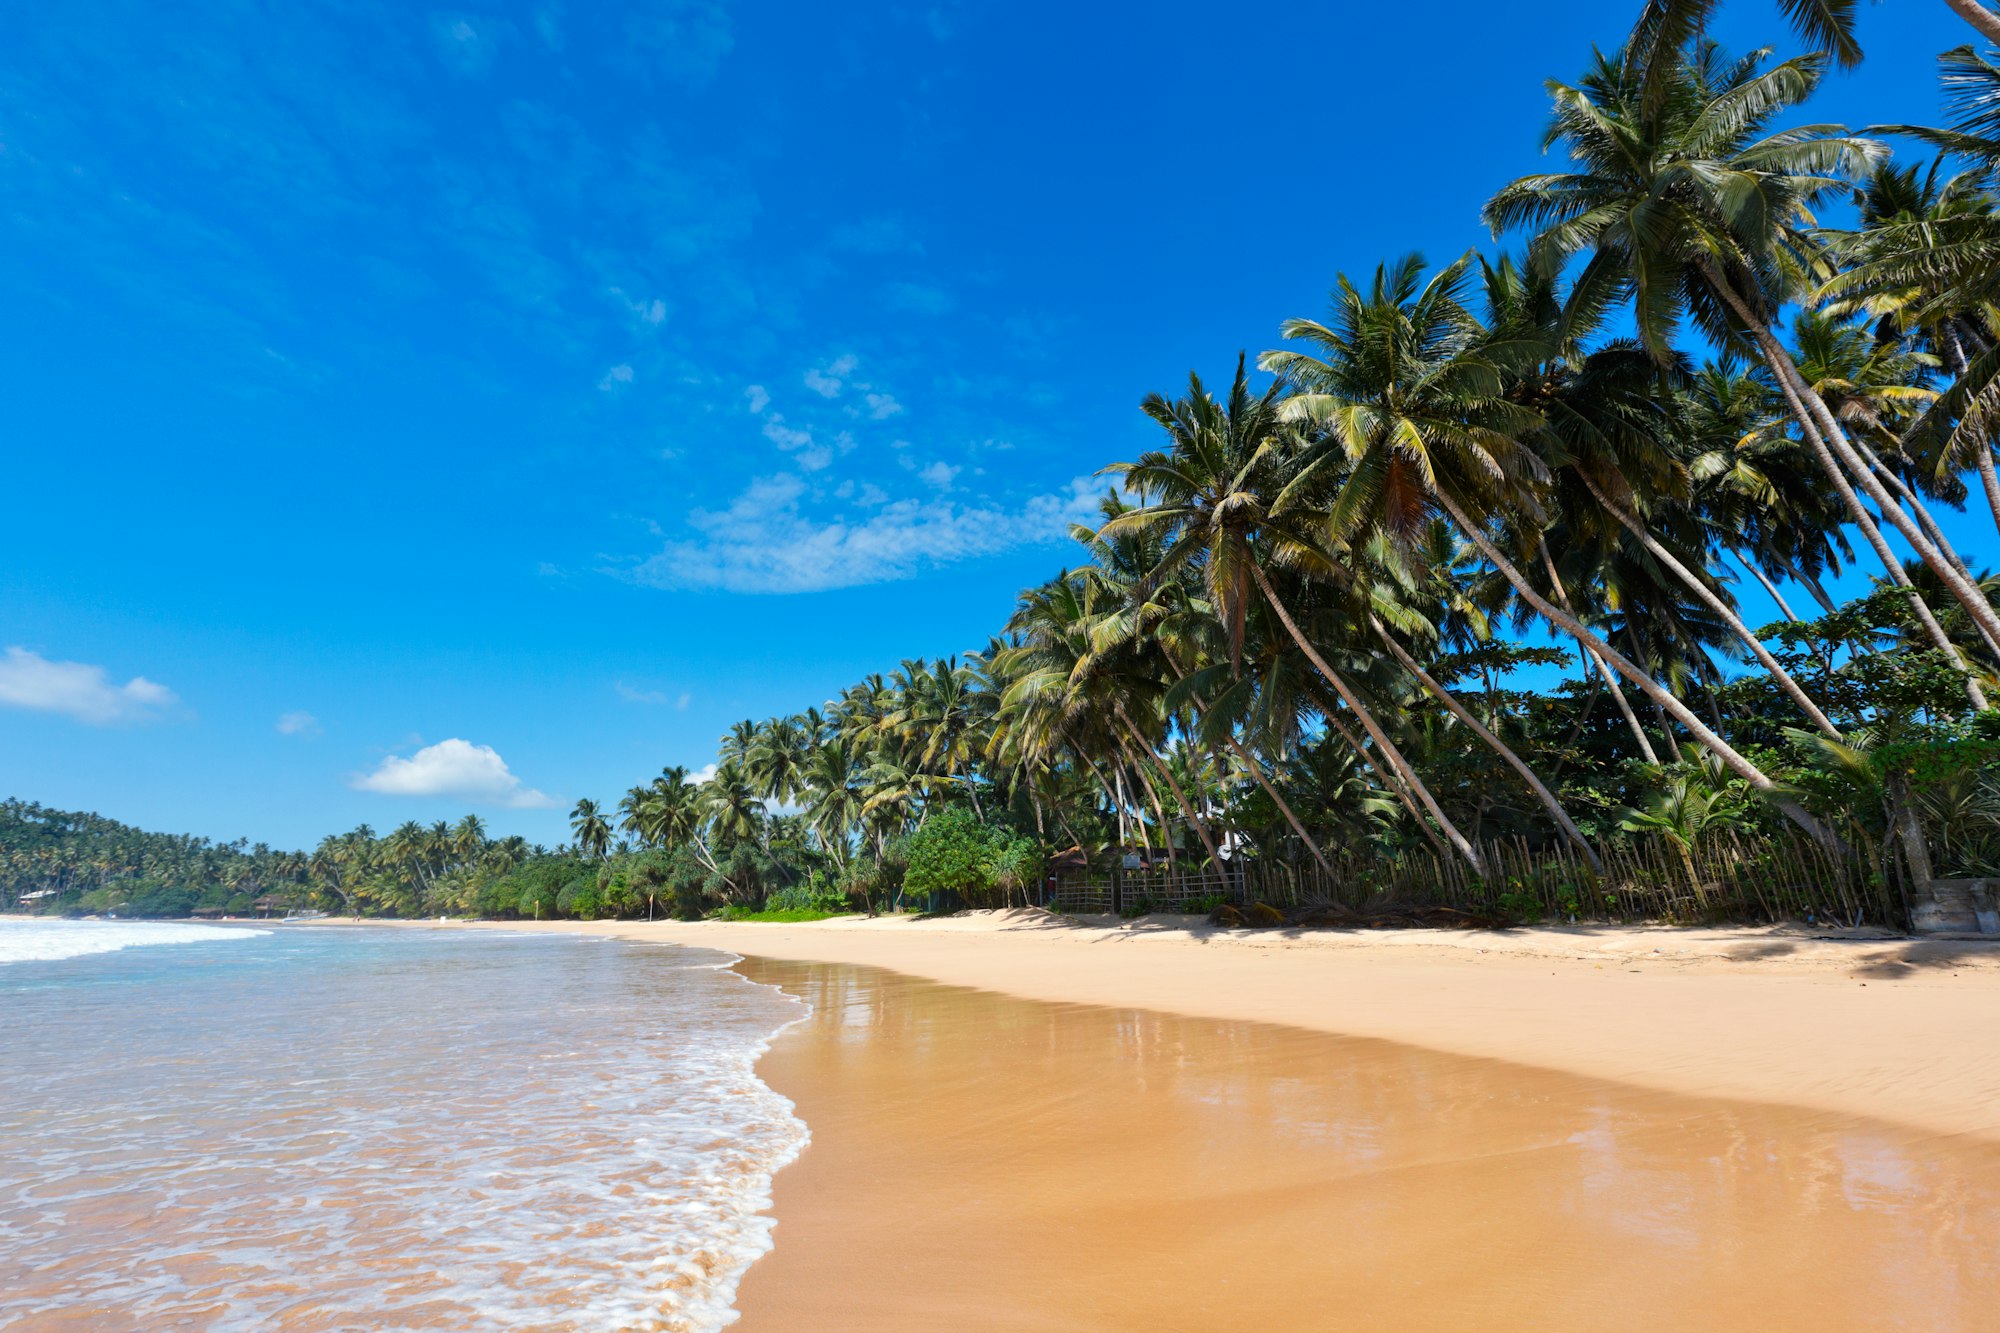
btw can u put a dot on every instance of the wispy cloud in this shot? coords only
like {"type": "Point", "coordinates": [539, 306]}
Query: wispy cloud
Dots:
{"type": "Point", "coordinates": [301, 724]}
{"type": "Point", "coordinates": [615, 378]}
{"type": "Point", "coordinates": [454, 768]}
{"type": "Point", "coordinates": [633, 695]}
{"type": "Point", "coordinates": [468, 42]}
{"type": "Point", "coordinates": [766, 542]}
{"type": "Point", "coordinates": [78, 690]}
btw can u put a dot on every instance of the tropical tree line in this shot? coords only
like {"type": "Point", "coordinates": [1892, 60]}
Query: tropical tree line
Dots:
{"type": "Point", "coordinates": [1463, 558]}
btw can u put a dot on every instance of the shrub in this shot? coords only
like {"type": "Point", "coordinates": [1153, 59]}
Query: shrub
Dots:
{"type": "Point", "coordinates": [955, 853]}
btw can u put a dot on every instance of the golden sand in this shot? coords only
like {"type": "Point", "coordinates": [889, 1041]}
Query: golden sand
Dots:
{"type": "Point", "coordinates": [984, 1162]}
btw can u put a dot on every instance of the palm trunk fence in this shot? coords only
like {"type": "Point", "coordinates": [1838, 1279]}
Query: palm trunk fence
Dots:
{"type": "Point", "coordinates": [1785, 876]}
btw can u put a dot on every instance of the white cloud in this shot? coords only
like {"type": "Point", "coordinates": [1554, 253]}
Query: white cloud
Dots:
{"type": "Point", "coordinates": [828, 382]}
{"type": "Point", "coordinates": [653, 312]}
{"type": "Point", "coordinates": [758, 397]}
{"type": "Point", "coordinates": [786, 437]}
{"type": "Point", "coordinates": [299, 723]}
{"type": "Point", "coordinates": [637, 696]}
{"type": "Point", "coordinates": [702, 774]}
{"type": "Point", "coordinates": [454, 768]}
{"type": "Point", "coordinates": [939, 474]}
{"type": "Point", "coordinates": [617, 375]}
{"type": "Point", "coordinates": [79, 690]}
{"type": "Point", "coordinates": [682, 702]}
{"type": "Point", "coordinates": [765, 542]}
{"type": "Point", "coordinates": [882, 406]}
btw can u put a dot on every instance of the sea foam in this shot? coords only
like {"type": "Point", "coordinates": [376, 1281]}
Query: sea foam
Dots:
{"type": "Point", "coordinates": [29, 941]}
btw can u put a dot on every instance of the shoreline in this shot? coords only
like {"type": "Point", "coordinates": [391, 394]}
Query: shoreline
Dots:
{"type": "Point", "coordinates": [1858, 1024]}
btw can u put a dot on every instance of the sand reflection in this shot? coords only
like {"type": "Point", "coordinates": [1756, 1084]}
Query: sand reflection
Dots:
{"type": "Point", "coordinates": [985, 1162]}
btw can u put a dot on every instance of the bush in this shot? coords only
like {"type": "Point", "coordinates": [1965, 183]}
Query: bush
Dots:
{"type": "Point", "coordinates": [814, 895]}
{"type": "Point", "coordinates": [580, 898]}
{"type": "Point", "coordinates": [955, 853]}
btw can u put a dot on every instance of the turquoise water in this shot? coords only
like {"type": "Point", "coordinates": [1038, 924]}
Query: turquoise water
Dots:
{"type": "Point", "coordinates": [352, 1127]}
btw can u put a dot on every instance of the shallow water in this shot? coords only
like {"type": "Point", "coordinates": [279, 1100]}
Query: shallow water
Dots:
{"type": "Point", "coordinates": [980, 1161]}
{"type": "Point", "coordinates": [350, 1128]}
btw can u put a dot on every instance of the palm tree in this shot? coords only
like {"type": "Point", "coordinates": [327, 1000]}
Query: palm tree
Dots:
{"type": "Point", "coordinates": [1404, 397]}
{"type": "Point", "coordinates": [1222, 487]}
{"type": "Point", "coordinates": [592, 833]}
{"type": "Point", "coordinates": [1677, 192]}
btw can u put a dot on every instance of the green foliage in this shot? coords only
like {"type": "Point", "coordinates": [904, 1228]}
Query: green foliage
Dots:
{"type": "Point", "coordinates": [954, 852]}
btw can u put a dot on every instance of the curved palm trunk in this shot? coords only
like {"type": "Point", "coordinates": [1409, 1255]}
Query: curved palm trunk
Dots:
{"type": "Point", "coordinates": [1159, 811]}
{"type": "Point", "coordinates": [1187, 811]}
{"type": "Point", "coordinates": [1699, 587]}
{"type": "Point", "coordinates": [1370, 725]}
{"type": "Point", "coordinates": [1391, 780]}
{"type": "Point", "coordinates": [1784, 607]}
{"type": "Point", "coordinates": [1982, 454]}
{"type": "Point", "coordinates": [1652, 689]}
{"type": "Point", "coordinates": [1604, 672]}
{"type": "Point", "coordinates": [1493, 742]}
{"type": "Point", "coordinates": [1844, 466]}
{"type": "Point", "coordinates": [1873, 533]}
{"type": "Point", "coordinates": [1984, 20]}
{"type": "Point", "coordinates": [1257, 772]}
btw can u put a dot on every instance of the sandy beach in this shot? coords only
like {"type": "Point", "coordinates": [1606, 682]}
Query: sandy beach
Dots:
{"type": "Point", "coordinates": [1029, 1123]}
{"type": "Point", "coordinates": [1864, 1025]}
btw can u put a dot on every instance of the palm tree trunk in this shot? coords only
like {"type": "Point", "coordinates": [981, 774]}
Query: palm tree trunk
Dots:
{"type": "Point", "coordinates": [1708, 597]}
{"type": "Point", "coordinates": [1391, 780]}
{"type": "Point", "coordinates": [1982, 453]}
{"type": "Point", "coordinates": [1159, 811]}
{"type": "Point", "coordinates": [1370, 725]}
{"type": "Point", "coordinates": [1652, 689]}
{"type": "Point", "coordinates": [1187, 811]}
{"type": "Point", "coordinates": [1979, 16]}
{"type": "Point", "coordinates": [1604, 672]}
{"type": "Point", "coordinates": [1873, 533]}
{"type": "Point", "coordinates": [1784, 607]}
{"type": "Point", "coordinates": [1818, 590]}
{"type": "Point", "coordinates": [1844, 466]}
{"type": "Point", "coordinates": [1257, 771]}
{"type": "Point", "coordinates": [1493, 742]}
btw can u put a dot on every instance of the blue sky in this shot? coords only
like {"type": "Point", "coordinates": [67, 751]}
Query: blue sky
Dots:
{"type": "Point", "coordinates": [568, 381]}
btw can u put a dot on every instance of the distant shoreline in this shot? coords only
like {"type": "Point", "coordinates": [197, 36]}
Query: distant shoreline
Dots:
{"type": "Point", "coordinates": [1865, 1025]}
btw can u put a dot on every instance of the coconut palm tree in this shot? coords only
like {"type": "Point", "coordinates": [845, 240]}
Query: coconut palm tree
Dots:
{"type": "Point", "coordinates": [1400, 392]}
{"type": "Point", "coordinates": [1684, 194]}
{"type": "Point", "coordinates": [1221, 492]}
{"type": "Point", "coordinates": [588, 826]}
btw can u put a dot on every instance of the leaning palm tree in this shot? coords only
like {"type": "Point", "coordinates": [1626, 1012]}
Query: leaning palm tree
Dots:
{"type": "Point", "coordinates": [1704, 213]}
{"type": "Point", "coordinates": [1404, 403]}
{"type": "Point", "coordinates": [1221, 493]}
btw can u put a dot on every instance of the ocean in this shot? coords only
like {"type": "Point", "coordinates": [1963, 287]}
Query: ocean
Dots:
{"type": "Point", "coordinates": [316, 1128]}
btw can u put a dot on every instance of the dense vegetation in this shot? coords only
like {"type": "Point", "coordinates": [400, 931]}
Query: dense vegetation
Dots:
{"type": "Point", "coordinates": [1459, 571]}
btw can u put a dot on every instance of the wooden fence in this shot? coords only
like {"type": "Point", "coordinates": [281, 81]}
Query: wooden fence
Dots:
{"type": "Point", "coordinates": [1783, 877]}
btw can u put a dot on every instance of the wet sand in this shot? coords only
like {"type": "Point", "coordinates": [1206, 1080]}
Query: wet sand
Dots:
{"type": "Point", "coordinates": [980, 1161]}
{"type": "Point", "coordinates": [1880, 1028]}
